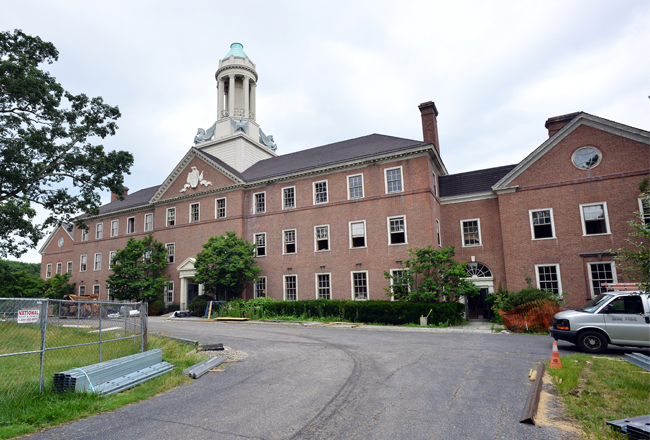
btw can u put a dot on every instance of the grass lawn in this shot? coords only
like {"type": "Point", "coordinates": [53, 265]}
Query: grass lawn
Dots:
{"type": "Point", "coordinates": [28, 411]}
{"type": "Point", "coordinates": [596, 390]}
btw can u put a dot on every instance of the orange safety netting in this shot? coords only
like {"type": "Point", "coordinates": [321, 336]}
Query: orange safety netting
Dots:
{"type": "Point", "coordinates": [535, 316]}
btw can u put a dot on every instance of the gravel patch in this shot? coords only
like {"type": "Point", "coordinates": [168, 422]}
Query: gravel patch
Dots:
{"type": "Point", "coordinates": [230, 353]}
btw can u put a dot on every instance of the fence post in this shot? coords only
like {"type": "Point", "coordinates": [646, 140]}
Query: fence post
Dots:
{"type": "Point", "coordinates": [78, 307]}
{"type": "Point", "coordinates": [144, 315]}
{"type": "Point", "coordinates": [125, 314]}
{"type": "Point", "coordinates": [100, 332]}
{"type": "Point", "coordinates": [44, 309]}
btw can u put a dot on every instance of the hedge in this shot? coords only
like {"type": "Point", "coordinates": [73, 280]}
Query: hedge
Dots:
{"type": "Point", "coordinates": [375, 311]}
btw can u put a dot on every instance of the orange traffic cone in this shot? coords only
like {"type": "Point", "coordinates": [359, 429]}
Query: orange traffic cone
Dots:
{"type": "Point", "coordinates": [555, 357]}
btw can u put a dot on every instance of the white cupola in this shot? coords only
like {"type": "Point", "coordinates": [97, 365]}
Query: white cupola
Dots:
{"type": "Point", "coordinates": [237, 138]}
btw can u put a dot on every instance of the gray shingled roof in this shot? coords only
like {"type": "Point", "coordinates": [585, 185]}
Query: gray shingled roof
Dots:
{"type": "Point", "coordinates": [352, 149]}
{"type": "Point", "coordinates": [138, 198]}
{"type": "Point", "coordinates": [472, 181]}
{"type": "Point", "coordinates": [359, 148]}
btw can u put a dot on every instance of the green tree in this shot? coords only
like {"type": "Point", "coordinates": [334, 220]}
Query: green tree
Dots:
{"type": "Point", "coordinates": [137, 270]}
{"type": "Point", "coordinates": [634, 260]}
{"type": "Point", "coordinates": [225, 265]}
{"type": "Point", "coordinates": [46, 148]}
{"type": "Point", "coordinates": [31, 268]}
{"type": "Point", "coordinates": [18, 283]}
{"type": "Point", "coordinates": [431, 275]}
{"type": "Point", "coordinates": [57, 286]}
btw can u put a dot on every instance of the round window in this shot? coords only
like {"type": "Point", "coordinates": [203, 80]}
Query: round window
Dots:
{"type": "Point", "coordinates": [60, 241]}
{"type": "Point", "coordinates": [586, 157]}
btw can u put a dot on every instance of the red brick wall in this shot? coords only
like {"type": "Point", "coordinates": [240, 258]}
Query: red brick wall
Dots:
{"type": "Point", "coordinates": [416, 202]}
{"type": "Point", "coordinates": [490, 252]}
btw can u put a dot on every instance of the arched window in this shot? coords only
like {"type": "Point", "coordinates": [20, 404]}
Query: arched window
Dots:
{"type": "Point", "coordinates": [478, 270]}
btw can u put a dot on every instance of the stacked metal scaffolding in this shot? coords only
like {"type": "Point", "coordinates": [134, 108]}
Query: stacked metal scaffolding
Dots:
{"type": "Point", "coordinates": [113, 376]}
{"type": "Point", "coordinates": [198, 370]}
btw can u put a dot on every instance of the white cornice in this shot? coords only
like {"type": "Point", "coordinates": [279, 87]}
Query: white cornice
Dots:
{"type": "Point", "coordinates": [467, 198]}
{"type": "Point", "coordinates": [606, 125]}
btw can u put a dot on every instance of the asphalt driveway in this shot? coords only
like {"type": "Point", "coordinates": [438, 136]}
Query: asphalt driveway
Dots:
{"type": "Point", "coordinates": [329, 383]}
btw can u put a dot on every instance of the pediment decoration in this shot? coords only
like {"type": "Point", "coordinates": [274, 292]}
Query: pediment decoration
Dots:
{"type": "Point", "coordinates": [195, 176]}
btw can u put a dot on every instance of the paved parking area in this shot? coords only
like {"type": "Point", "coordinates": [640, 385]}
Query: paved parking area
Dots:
{"type": "Point", "coordinates": [339, 383]}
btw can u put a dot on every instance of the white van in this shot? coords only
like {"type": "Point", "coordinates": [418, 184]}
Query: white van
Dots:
{"type": "Point", "coordinates": [618, 318]}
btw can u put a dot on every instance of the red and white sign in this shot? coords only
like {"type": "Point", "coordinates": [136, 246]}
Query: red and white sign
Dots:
{"type": "Point", "coordinates": [25, 316]}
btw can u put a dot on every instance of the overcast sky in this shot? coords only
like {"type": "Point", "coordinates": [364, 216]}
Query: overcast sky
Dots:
{"type": "Point", "coordinates": [335, 70]}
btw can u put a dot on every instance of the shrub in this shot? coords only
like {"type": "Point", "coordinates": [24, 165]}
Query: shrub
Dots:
{"type": "Point", "coordinates": [156, 307]}
{"type": "Point", "coordinates": [172, 308]}
{"type": "Point", "coordinates": [505, 301]}
{"type": "Point", "coordinates": [198, 304]}
{"type": "Point", "coordinates": [370, 312]}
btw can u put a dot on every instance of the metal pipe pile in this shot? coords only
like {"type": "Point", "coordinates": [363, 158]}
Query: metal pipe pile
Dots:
{"type": "Point", "coordinates": [198, 370]}
{"type": "Point", "coordinates": [91, 377]}
{"type": "Point", "coordinates": [130, 380]}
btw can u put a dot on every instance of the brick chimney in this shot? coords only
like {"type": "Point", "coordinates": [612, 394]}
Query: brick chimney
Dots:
{"type": "Point", "coordinates": [115, 197]}
{"type": "Point", "coordinates": [556, 123]}
{"type": "Point", "coordinates": [429, 113]}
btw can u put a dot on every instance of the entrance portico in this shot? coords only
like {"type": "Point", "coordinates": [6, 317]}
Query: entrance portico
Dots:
{"type": "Point", "coordinates": [189, 289]}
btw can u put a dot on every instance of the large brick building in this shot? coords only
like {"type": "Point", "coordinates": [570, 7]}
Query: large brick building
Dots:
{"type": "Point", "coordinates": [328, 221]}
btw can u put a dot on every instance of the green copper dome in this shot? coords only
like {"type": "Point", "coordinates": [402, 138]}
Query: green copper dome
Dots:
{"type": "Point", "coordinates": [236, 49]}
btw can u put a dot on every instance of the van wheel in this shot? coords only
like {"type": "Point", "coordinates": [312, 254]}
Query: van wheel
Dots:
{"type": "Point", "coordinates": [592, 342]}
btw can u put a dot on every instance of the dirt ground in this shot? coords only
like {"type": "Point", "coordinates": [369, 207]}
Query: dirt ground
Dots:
{"type": "Point", "coordinates": [551, 412]}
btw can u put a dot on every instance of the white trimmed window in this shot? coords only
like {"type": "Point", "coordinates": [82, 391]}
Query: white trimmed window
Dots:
{"type": "Point", "coordinates": [599, 273]}
{"type": "Point", "coordinates": [260, 241]}
{"type": "Point", "coordinates": [69, 267]}
{"type": "Point", "coordinates": [471, 230]}
{"type": "Point", "coordinates": [171, 252]}
{"type": "Point", "coordinates": [96, 289]}
{"type": "Point", "coordinates": [355, 186]}
{"type": "Point", "coordinates": [595, 220]}
{"type": "Point", "coordinates": [111, 255]}
{"type": "Point", "coordinates": [83, 262]}
{"type": "Point", "coordinates": [359, 285]}
{"type": "Point", "coordinates": [320, 192]}
{"type": "Point", "coordinates": [59, 268]}
{"type": "Point", "coordinates": [220, 208]}
{"type": "Point", "coordinates": [171, 216]}
{"type": "Point", "coordinates": [148, 222]}
{"type": "Point", "coordinates": [542, 226]}
{"type": "Point", "coordinates": [48, 270]}
{"type": "Point", "coordinates": [98, 262]}
{"type": "Point", "coordinates": [115, 225]}
{"type": "Point", "coordinates": [130, 225]}
{"type": "Point", "coordinates": [195, 212]}
{"type": "Point", "coordinates": [435, 184]}
{"type": "Point", "coordinates": [99, 231]}
{"type": "Point", "coordinates": [84, 235]}
{"type": "Point", "coordinates": [393, 178]}
{"type": "Point", "coordinates": [289, 241]}
{"type": "Point", "coordinates": [259, 202]}
{"type": "Point", "coordinates": [323, 286]}
{"type": "Point", "coordinates": [169, 293]}
{"type": "Point", "coordinates": [548, 277]}
{"type": "Point", "coordinates": [290, 287]}
{"type": "Point", "coordinates": [321, 238]}
{"type": "Point", "coordinates": [289, 197]}
{"type": "Point", "coordinates": [358, 234]}
{"type": "Point", "coordinates": [644, 209]}
{"type": "Point", "coordinates": [82, 290]}
{"type": "Point", "coordinates": [438, 233]}
{"type": "Point", "coordinates": [260, 287]}
{"type": "Point", "coordinates": [397, 230]}
{"type": "Point", "coordinates": [398, 283]}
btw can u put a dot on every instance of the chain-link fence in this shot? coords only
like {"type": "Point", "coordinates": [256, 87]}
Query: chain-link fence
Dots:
{"type": "Point", "coordinates": [40, 337]}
